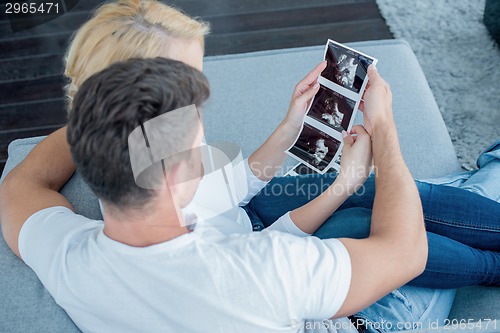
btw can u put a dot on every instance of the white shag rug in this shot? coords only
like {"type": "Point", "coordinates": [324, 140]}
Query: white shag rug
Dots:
{"type": "Point", "coordinates": [461, 62]}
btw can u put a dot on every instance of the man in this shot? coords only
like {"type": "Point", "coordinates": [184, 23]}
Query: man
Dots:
{"type": "Point", "coordinates": [142, 269]}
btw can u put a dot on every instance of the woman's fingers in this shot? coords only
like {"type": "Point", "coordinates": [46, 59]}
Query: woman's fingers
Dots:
{"type": "Point", "coordinates": [348, 139]}
{"type": "Point", "coordinates": [361, 106]}
{"type": "Point", "coordinates": [359, 130]}
{"type": "Point", "coordinates": [306, 96]}
{"type": "Point", "coordinates": [313, 75]}
{"type": "Point", "coordinates": [310, 79]}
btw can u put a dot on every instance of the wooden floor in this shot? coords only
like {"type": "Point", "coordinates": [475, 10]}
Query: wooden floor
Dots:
{"type": "Point", "coordinates": [31, 96]}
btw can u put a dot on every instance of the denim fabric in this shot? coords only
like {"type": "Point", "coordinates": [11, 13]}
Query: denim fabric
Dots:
{"type": "Point", "coordinates": [408, 308]}
{"type": "Point", "coordinates": [485, 181]}
{"type": "Point", "coordinates": [463, 226]}
{"type": "Point", "coordinates": [350, 222]}
{"type": "Point", "coordinates": [257, 224]}
{"type": "Point", "coordinates": [450, 264]}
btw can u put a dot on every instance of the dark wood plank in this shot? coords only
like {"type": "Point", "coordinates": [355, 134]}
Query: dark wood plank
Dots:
{"type": "Point", "coordinates": [50, 87]}
{"type": "Point", "coordinates": [226, 7]}
{"type": "Point", "coordinates": [293, 18]}
{"type": "Point", "coordinates": [30, 67]}
{"type": "Point", "coordinates": [3, 16]}
{"type": "Point", "coordinates": [33, 114]}
{"type": "Point", "coordinates": [67, 22]}
{"type": "Point", "coordinates": [6, 137]}
{"type": "Point", "coordinates": [269, 19]}
{"type": "Point", "coordinates": [297, 37]}
{"type": "Point", "coordinates": [49, 44]}
{"type": "Point", "coordinates": [230, 7]}
{"type": "Point", "coordinates": [56, 41]}
{"type": "Point", "coordinates": [55, 44]}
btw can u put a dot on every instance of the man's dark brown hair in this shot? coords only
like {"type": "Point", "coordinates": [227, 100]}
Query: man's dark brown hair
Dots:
{"type": "Point", "coordinates": [112, 103]}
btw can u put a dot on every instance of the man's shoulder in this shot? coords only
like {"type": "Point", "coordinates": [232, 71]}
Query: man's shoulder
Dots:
{"type": "Point", "coordinates": [53, 210]}
{"type": "Point", "coordinates": [52, 224]}
{"type": "Point", "coordinates": [54, 215]}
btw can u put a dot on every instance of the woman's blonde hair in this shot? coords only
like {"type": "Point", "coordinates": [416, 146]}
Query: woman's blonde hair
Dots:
{"type": "Point", "coordinates": [122, 30]}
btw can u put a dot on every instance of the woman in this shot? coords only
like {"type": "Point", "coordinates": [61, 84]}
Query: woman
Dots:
{"type": "Point", "coordinates": [128, 29]}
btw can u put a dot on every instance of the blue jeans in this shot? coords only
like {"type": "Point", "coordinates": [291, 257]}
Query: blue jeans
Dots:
{"type": "Point", "coordinates": [485, 181]}
{"type": "Point", "coordinates": [403, 309]}
{"type": "Point", "coordinates": [408, 308]}
{"type": "Point", "coordinates": [463, 225]}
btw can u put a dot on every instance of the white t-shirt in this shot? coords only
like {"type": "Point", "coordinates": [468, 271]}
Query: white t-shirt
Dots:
{"type": "Point", "coordinates": [218, 285]}
{"type": "Point", "coordinates": [219, 198]}
{"type": "Point", "coordinates": [202, 281]}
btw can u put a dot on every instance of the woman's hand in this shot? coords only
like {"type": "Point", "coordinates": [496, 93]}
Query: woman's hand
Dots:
{"type": "Point", "coordinates": [356, 162]}
{"type": "Point", "coordinates": [266, 161]}
{"type": "Point", "coordinates": [303, 93]}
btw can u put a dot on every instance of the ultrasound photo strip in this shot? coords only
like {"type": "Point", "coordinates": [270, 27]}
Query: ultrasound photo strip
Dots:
{"type": "Point", "coordinates": [332, 109]}
{"type": "Point", "coordinates": [315, 148]}
{"type": "Point", "coordinates": [334, 106]}
{"type": "Point", "coordinates": [346, 67]}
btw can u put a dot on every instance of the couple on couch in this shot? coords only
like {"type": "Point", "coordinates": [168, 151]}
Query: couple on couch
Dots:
{"type": "Point", "coordinates": [143, 269]}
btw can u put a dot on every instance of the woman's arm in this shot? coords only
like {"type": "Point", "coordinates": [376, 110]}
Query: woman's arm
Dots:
{"type": "Point", "coordinates": [266, 161]}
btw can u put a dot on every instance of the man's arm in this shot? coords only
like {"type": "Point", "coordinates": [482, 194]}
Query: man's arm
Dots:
{"type": "Point", "coordinates": [354, 170]}
{"type": "Point", "coordinates": [266, 161]}
{"type": "Point", "coordinates": [34, 185]}
{"type": "Point", "coordinates": [396, 250]}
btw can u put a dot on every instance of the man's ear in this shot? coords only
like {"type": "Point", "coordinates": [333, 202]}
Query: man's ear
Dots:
{"type": "Point", "coordinates": [178, 174]}
{"type": "Point", "coordinates": [172, 177]}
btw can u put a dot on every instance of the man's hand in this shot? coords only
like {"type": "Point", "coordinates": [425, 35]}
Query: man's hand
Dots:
{"type": "Point", "coordinates": [377, 102]}
{"type": "Point", "coordinates": [301, 97]}
{"type": "Point", "coordinates": [355, 166]}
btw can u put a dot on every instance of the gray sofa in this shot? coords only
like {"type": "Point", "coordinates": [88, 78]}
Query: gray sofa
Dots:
{"type": "Point", "coordinates": [250, 96]}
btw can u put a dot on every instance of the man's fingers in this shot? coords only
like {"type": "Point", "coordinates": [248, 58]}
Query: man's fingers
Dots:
{"type": "Point", "coordinates": [373, 74]}
{"type": "Point", "coordinates": [366, 89]}
{"type": "Point", "coordinates": [375, 79]}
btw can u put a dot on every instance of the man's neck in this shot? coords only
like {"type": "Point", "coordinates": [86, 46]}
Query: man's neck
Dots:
{"type": "Point", "coordinates": [141, 229]}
